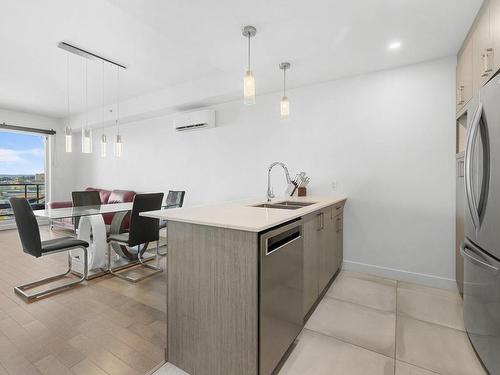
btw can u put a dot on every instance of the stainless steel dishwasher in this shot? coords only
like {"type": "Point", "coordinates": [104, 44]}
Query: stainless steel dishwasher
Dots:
{"type": "Point", "coordinates": [281, 292]}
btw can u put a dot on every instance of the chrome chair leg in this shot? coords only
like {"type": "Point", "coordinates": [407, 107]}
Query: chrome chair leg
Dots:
{"type": "Point", "coordinates": [158, 247]}
{"type": "Point", "coordinates": [158, 252]}
{"type": "Point", "coordinates": [120, 275]}
{"type": "Point", "coordinates": [21, 290]}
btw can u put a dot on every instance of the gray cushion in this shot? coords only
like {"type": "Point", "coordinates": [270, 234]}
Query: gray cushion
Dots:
{"type": "Point", "coordinates": [121, 237]}
{"type": "Point", "coordinates": [62, 243]}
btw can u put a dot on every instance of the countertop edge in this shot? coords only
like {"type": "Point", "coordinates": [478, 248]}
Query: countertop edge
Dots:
{"type": "Point", "coordinates": [168, 215]}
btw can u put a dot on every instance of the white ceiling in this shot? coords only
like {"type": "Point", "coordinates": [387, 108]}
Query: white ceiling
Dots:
{"type": "Point", "coordinates": [166, 43]}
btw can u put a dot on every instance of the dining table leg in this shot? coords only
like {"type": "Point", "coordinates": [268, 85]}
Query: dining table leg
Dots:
{"type": "Point", "coordinates": [93, 230]}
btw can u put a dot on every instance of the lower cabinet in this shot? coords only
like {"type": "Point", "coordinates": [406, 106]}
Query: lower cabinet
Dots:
{"type": "Point", "coordinates": [323, 251]}
{"type": "Point", "coordinates": [311, 260]}
{"type": "Point", "coordinates": [339, 227]}
{"type": "Point", "coordinates": [328, 248]}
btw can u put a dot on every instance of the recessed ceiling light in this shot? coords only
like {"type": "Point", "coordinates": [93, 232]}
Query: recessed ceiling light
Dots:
{"type": "Point", "coordinates": [394, 45]}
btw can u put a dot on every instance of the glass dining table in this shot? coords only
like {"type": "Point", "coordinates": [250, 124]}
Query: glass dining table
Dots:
{"type": "Point", "coordinates": [91, 228]}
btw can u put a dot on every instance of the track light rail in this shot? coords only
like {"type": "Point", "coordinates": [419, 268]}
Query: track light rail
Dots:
{"type": "Point", "coordinates": [86, 54]}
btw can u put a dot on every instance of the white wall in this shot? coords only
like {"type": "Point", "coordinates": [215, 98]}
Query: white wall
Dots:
{"type": "Point", "coordinates": [60, 166]}
{"type": "Point", "coordinates": [386, 138]}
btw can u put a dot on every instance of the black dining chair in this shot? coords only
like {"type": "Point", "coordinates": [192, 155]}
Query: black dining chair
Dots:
{"type": "Point", "coordinates": [84, 198]}
{"type": "Point", "coordinates": [143, 230]}
{"type": "Point", "coordinates": [175, 199]}
{"type": "Point", "coordinates": [29, 234]}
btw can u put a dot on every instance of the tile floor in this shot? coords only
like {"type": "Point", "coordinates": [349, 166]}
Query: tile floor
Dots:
{"type": "Point", "coordinates": [370, 325]}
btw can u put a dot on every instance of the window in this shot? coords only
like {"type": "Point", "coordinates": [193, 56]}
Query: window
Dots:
{"type": "Point", "coordinates": [22, 170]}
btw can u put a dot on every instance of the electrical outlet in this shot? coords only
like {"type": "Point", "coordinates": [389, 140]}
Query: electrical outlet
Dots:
{"type": "Point", "coordinates": [334, 185]}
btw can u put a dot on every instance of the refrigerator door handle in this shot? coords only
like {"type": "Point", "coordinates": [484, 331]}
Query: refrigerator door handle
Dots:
{"type": "Point", "coordinates": [469, 187]}
{"type": "Point", "coordinates": [464, 250]}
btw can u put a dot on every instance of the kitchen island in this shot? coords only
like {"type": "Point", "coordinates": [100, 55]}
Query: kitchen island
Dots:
{"type": "Point", "coordinates": [244, 276]}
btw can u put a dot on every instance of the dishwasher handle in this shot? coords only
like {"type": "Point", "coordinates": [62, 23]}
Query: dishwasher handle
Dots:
{"type": "Point", "coordinates": [273, 246]}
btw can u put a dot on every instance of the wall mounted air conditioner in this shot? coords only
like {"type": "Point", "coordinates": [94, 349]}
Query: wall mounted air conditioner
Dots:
{"type": "Point", "coordinates": [195, 120]}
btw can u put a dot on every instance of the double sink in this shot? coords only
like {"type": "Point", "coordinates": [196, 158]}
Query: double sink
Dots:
{"type": "Point", "coordinates": [285, 205]}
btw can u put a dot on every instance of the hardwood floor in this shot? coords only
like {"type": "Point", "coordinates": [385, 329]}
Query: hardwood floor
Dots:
{"type": "Point", "coordinates": [106, 326]}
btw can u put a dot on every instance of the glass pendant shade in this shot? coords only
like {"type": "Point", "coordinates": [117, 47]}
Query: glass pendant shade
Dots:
{"type": "Point", "coordinates": [104, 145]}
{"type": "Point", "coordinates": [68, 139]}
{"type": "Point", "coordinates": [285, 108]}
{"type": "Point", "coordinates": [118, 146]}
{"type": "Point", "coordinates": [249, 80]}
{"type": "Point", "coordinates": [285, 103]}
{"type": "Point", "coordinates": [249, 88]}
{"type": "Point", "coordinates": [86, 140]}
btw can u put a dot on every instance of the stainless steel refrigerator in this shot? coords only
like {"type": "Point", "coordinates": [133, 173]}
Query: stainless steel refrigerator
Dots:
{"type": "Point", "coordinates": [481, 247]}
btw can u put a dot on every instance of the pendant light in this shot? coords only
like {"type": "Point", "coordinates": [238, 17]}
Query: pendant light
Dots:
{"type": "Point", "coordinates": [118, 142]}
{"type": "Point", "coordinates": [249, 79]}
{"type": "Point", "coordinates": [86, 131]}
{"type": "Point", "coordinates": [104, 141]}
{"type": "Point", "coordinates": [285, 103]}
{"type": "Point", "coordinates": [68, 139]}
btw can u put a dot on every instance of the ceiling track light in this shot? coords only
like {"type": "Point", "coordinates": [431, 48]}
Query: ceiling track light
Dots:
{"type": "Point", "coordinates": [249, 79]}
{"type": "Point", "coordinates": [86, 130]}
{"type": "Point", "coordinates": [88, 55]}
{"type": "Point", "coordinates": [285, 103]}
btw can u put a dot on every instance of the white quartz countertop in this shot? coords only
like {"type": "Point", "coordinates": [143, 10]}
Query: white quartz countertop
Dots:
{"type": "Point", "coordinates": [241, 215]}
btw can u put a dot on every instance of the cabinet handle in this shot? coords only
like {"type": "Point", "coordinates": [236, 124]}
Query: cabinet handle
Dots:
{"type": "Point", "coordinates": [461, 95]}
{"type": "Point", "coordinates": [337, 210]}
{"type": "Point", "coordinates": [487, 69]}
{"type": "Point", "coordinates": [339, 224]}
{"type": "Point", "coordinates": [460, 168]}
{"type": "Point", "coordinates": [321, 221]}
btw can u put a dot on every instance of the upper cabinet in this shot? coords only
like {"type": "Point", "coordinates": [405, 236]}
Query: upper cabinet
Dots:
{"type": "Point", "coordinates": [464, 74]}
{"type": "Point", "coordinates": [495, 32]}
{"type": "Point", "coordinates": [479, 57]}
{"type": "Point", "coordinates": [482, 42]}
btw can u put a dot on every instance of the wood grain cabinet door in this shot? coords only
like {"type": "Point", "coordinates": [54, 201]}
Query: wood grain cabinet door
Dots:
{"type": "Point", "coordinates": [464, 75]}
{"type": "Point", "coordinates": [327, 248]}
{"type": "Point", "coordinates": [322, 251]}
{"type": "Point", "coordinates": [311, 260]}
{"type": "Point", "coordinates": [459, 84]}
{"type": "Point", "coordinates": [339, 222]}
{"type": "Point", "coordinates": [495, 32]}
{"type": "Point", "coordinates": [333, 244]}
{"type": "Point", "coordinates": [483, 54]}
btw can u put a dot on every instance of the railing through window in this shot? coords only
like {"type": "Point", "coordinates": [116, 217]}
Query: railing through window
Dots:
{"type": "Point", "coordinates": [34, 192]}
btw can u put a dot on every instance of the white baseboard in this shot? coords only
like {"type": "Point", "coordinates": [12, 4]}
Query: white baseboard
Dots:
{"type": "Point", "coordinates": [391, 273]}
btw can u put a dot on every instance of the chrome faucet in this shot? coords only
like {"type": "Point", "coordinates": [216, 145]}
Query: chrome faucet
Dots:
{"type": "Point", "coordinates": [270, 194]}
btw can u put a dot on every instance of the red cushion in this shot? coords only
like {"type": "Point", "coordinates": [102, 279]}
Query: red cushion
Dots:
{"type": "Point", "coordinates": [104, 194]}
{"type": "Point", "coordinates": [121, 196]}
{"type": "Point", "coordinates": [60, 204]}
